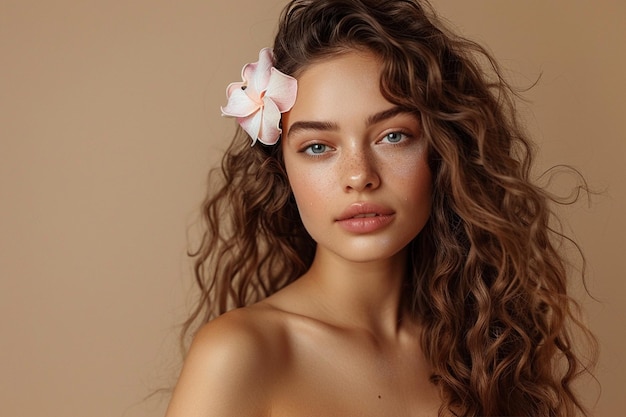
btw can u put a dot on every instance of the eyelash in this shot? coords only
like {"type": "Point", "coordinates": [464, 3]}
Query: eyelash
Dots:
{"type": "Point", "coordinates": [404, 136]}
{"type": "Point", "coordinates": [307, 150]}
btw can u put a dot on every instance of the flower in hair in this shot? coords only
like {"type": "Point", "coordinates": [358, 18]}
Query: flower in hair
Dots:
{"type": "Point", "coordinates": [259, 100]}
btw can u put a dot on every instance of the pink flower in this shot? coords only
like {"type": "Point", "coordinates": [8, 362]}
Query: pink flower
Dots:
{"type": "Point", "coordinates": [259, 100]}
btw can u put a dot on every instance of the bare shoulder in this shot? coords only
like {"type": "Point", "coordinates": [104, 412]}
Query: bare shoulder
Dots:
{"type": "Point", "coordinates": [257, 328]}
{"type": "Point", "coordinates": [232, 365]}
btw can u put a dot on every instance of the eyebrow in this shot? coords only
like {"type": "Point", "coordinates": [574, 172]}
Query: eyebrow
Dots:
{"type": "Point", "coordinates": [386, 114]}
{"type": "Point", "coordinates": [332, 126]}
{"type": "Point", "coordinates": [310, 125]}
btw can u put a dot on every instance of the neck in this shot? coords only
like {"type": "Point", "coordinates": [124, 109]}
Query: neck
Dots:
{"type": "Point", "coordinates": [365, 295]}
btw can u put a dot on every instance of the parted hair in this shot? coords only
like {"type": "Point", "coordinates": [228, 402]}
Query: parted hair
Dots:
{"type": "Point", "coordinates": [487, 279]}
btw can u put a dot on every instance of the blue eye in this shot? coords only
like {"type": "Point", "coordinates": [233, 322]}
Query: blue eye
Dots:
{"type": "Point", "coordinates": [316, 149]}
{"type": "Point", "coordinates": [394, 137]}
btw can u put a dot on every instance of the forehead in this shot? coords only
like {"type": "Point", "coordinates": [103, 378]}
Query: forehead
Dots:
{"type": "Point", "coordinates": [337, 87]}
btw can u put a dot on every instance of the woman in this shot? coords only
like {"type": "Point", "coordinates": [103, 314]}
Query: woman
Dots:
{"type": "Point", "coordinates": [382, 250]}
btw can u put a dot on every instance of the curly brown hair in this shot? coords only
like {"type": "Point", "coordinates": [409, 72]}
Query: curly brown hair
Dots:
{"type": "Point", "coordinates": [488, 282]}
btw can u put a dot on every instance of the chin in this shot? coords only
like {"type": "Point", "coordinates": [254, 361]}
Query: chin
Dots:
{"type": "Point", "coordinates": [367, 250]}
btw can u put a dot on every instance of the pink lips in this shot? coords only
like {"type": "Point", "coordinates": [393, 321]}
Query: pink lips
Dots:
{"type": "Point", "coordinates": [365, 217]}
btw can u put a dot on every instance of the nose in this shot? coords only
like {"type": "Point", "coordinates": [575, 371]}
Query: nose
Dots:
{"type": "Point", "coordinates": [360, 170]}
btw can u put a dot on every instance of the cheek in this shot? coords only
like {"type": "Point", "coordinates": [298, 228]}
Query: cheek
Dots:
{"type": "Point", "coordinates": [412, 176]}
{"type": "Point", "coordinates": [310, 188]}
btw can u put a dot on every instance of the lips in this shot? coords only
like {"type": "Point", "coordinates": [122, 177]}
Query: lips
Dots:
{"type": "Point", "coordinates": [365, 217]}
{"type": "Point", "coordinates": [361, 216]}
{"type": "Point", "coordinates": [364, 210]}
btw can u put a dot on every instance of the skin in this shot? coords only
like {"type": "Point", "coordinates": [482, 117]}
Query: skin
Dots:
{"type": "Point", "coordinates": [336, 342]}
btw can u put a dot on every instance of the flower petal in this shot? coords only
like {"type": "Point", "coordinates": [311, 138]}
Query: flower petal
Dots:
{"type": "Point", "coordinates": [232, 87]}
{"type": "Point", "coordinates": [258, 73]}
{"type": "Point", "coordinates": [239, 104]}
{"type": "Point", "coordinates": [247, 74]}
{"type": "Point", "coordinates": [270, 130]}
{"type": "Point", "coordinates": [252, 124]}
{"type": "Point", "coordinates": [282, 89]}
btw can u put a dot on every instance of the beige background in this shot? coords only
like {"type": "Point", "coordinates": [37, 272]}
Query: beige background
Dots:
{"type": "Point", "coordinates": [109, 120]}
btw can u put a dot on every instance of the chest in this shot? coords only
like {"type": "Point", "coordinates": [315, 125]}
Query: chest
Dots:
{"type": "Point", "coordinates": [341, 379]}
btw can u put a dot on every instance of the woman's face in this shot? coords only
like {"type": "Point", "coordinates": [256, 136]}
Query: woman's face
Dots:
{"type": "Point", "coordinates": [357, 164]}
